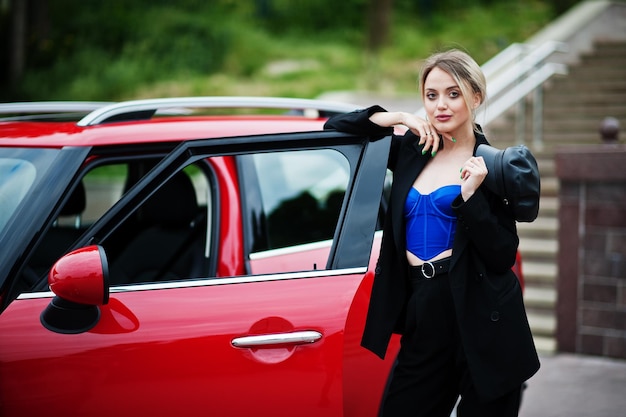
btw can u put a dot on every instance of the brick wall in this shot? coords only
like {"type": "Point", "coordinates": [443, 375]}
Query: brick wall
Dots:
{"type": "Point", "coordinates": [591, 285]}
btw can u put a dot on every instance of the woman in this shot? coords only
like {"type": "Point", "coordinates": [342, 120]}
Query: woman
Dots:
{"type": "Point", "coordinates": [444, 278]}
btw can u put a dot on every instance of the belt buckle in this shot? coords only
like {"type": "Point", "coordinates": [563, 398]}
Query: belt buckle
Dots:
{"type": "Point", "coordinates": [432, 270]}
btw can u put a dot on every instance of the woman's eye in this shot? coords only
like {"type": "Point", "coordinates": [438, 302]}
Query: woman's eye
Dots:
{"type": "Point", "coordinates": [430, 96]}
{"type": "Point", "coordinates": [454, 94]}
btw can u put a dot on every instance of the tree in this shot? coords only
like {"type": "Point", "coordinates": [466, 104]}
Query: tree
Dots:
{"type": "Point", "coordinates": [379, 21]}
{"type": "Point", "coordinates": [17, 41]}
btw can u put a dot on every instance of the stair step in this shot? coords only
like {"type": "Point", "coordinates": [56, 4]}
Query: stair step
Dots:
{"type": "Point", "coordinates": [591, 98]}
{"type": "Point", "coordinates": [540, 298]}
{"type": "Point", "coordinates": [560, 125]}
{"type": "Point", "coordinates": [610, 65]}
{"type": "Point", "coordinates": [597, 74]}
{"type": "Point", "coordinates": [539, 272]}
{"type": "Point", "coordinates": [543, 227]}
{"type": "Point", "coordinates": [557, 136]}
{"type": "Point", "coordinates": [558, 104]}
{"type": "Point", "coordinates": [545, 162]}
{"type": "Point", "coordinates": [545, 345]}
{"type": "Point", "coordinates": [548, 206]}
{"type": "Point", "coordinates": [543, 327]}
{"type": "Point", "coordinates": [541, 324]}
{"type": "Point", "coordinates": [599, 111]}
{"type": "Point", "coordinates": [552, 139]}
{"type": "Point", "coordinates": [549, 185]}
{"type": "Point", "coordinates": [579, 88]}
{"type": "Point", "coordinates": [538, 248]}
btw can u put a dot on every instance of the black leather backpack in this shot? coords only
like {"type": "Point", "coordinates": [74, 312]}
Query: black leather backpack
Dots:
{"type": "Point", "coordinates": [514, 176]}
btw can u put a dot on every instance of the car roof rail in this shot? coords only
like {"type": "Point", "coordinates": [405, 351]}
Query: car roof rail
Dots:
{"type": "Point", "coordinates": [43, 110]}
{"type": "Point", "coordinates": [145, 109]}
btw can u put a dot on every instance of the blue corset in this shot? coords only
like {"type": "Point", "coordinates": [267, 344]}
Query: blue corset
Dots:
{"type": "Point", "coordinates": [430, 221]}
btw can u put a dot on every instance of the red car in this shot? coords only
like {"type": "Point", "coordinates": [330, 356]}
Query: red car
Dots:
{"type": "Point", "coordinates": [187, 264]}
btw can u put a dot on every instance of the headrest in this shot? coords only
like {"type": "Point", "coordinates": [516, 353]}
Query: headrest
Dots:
{"type": "Point", "coordinates": [174, 204]}
{"type": "Point", "coordinates": [514, 176]}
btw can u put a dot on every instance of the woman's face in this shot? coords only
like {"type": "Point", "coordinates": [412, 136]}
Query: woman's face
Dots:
{"type": "Point", "coordinates": [444, 103]}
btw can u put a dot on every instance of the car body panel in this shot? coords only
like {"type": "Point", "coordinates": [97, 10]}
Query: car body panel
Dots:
{"type": "Point", "coordinates": [179, 347]}
{"type": "Point", "coordinates": [298, 258]}
{"type": "Point", "coordinates": [57, 135]}
{"type": "Point", "coordinates": [183, 349]}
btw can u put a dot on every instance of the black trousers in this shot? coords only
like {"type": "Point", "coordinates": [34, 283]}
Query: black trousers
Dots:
{"type": "Point", "coordinates": [431, 371]}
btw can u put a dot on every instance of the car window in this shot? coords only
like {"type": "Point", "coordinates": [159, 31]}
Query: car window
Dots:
{"type": "Point", "coordinates": [180, 233]}
{"type": "Point", "coordinates": [165, 237]}
{"type": "Point", "coordinates": [300, 199]}
{"type": "Point", "coordinates": [21, 171]}
{"type": "Point", "coordinates": [104, 186]}
{"type": "Point", "coordinates": [91, 197]}
{"type": "Point", "coordinates": [205, 213]}
{"type": "Point", "coordinates": [302, 193]}
{"type": "Point", "coordinates": [17, 176]}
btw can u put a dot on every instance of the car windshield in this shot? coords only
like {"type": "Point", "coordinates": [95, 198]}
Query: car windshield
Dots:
{"type": "Point", "coordinates": [19, 169]}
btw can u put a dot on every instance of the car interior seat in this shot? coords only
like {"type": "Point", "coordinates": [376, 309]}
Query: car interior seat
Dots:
{"type": "Point", "coordinates": [170, 242]}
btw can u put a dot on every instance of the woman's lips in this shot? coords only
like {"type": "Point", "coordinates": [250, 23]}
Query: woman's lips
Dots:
{"type": "Point", "coordinates": [443, 118]}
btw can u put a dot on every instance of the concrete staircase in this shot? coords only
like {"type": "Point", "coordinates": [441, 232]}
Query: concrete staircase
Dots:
{"type": "Point", "coordinates": [574, 107]}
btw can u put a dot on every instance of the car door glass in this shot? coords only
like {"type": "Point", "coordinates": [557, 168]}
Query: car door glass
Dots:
{"type": "Point", "coordinates": [16, 176]}
{"type": "Point", "coordinates": [95, 193]}
{"type": "Point", "coordinates": [104, 185]}
{"type": "Point", "coordinates": [165, 238]}
{"type": "Point", "coordinates": [302, 193]}
{"type": "Point", "coordinates": [92, 196]}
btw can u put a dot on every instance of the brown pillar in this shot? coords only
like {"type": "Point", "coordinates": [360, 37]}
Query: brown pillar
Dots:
{"type": "Point", "coordinates": [591, 304]}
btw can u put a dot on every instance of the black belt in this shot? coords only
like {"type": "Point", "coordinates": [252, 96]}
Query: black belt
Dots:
{"type": "Point", "coordinates": [429, 270]}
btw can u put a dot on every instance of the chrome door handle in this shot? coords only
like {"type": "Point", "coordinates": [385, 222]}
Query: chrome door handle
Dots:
{"type": "Point", "coordinates": [292, 338]}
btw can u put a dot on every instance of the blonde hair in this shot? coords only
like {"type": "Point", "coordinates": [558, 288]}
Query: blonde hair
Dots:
{"type": "Point", "coordinates": [465, 72]}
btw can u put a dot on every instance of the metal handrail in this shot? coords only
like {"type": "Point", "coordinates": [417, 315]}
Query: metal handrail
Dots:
{"type": "Point", "coordinates": [517, 92]}
{"type": "Point", "coordinates": [310, 107]}
{"type": "Point", "coordinates": [503, 60]}
{"type": "Point", "coordinates": [525, 77]}
{"type": "Point", "coordinates": [529, 60]}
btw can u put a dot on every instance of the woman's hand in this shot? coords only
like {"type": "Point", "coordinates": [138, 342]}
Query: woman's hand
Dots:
{"type": "Point", "coordinates": [429, 137]}
{"type": "Point", "coordinates": [473, 174]}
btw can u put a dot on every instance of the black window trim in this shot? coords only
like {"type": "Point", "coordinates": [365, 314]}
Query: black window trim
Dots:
{"type": "Point", "coordinates": [352, 242]}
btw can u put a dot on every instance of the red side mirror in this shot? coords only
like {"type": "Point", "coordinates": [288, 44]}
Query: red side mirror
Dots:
{"type": "Point", "coordinates": [80, 281]}
{"type": "Point", "coordinates": [81, 276]}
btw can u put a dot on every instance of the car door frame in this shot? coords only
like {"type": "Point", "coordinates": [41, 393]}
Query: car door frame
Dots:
{"type": "Point", "coordinates": [354, 233]}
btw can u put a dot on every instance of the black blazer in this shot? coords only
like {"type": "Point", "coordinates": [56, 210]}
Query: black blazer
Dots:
{"type": "Point", "coordinates": [490, 311]}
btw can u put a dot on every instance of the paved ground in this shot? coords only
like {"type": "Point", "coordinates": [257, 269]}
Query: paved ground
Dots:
{"type": "Point", "coordinates": [570, 385]}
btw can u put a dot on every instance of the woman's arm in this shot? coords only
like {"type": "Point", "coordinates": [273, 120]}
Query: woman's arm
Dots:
{"type": "Point", "coordinates": [359, 123]}
{"type": "Point", "coordinates": [376, 123]}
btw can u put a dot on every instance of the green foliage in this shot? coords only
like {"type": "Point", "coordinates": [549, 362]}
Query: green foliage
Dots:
{"type": "Point", "coordinates": [109, 48]}
{"type": "Point", "coordinates": [480, 31]}
{"type": "Point", "coordinates": [117, 49]}
{"type": "Point", "coordinates": [312, 16]}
